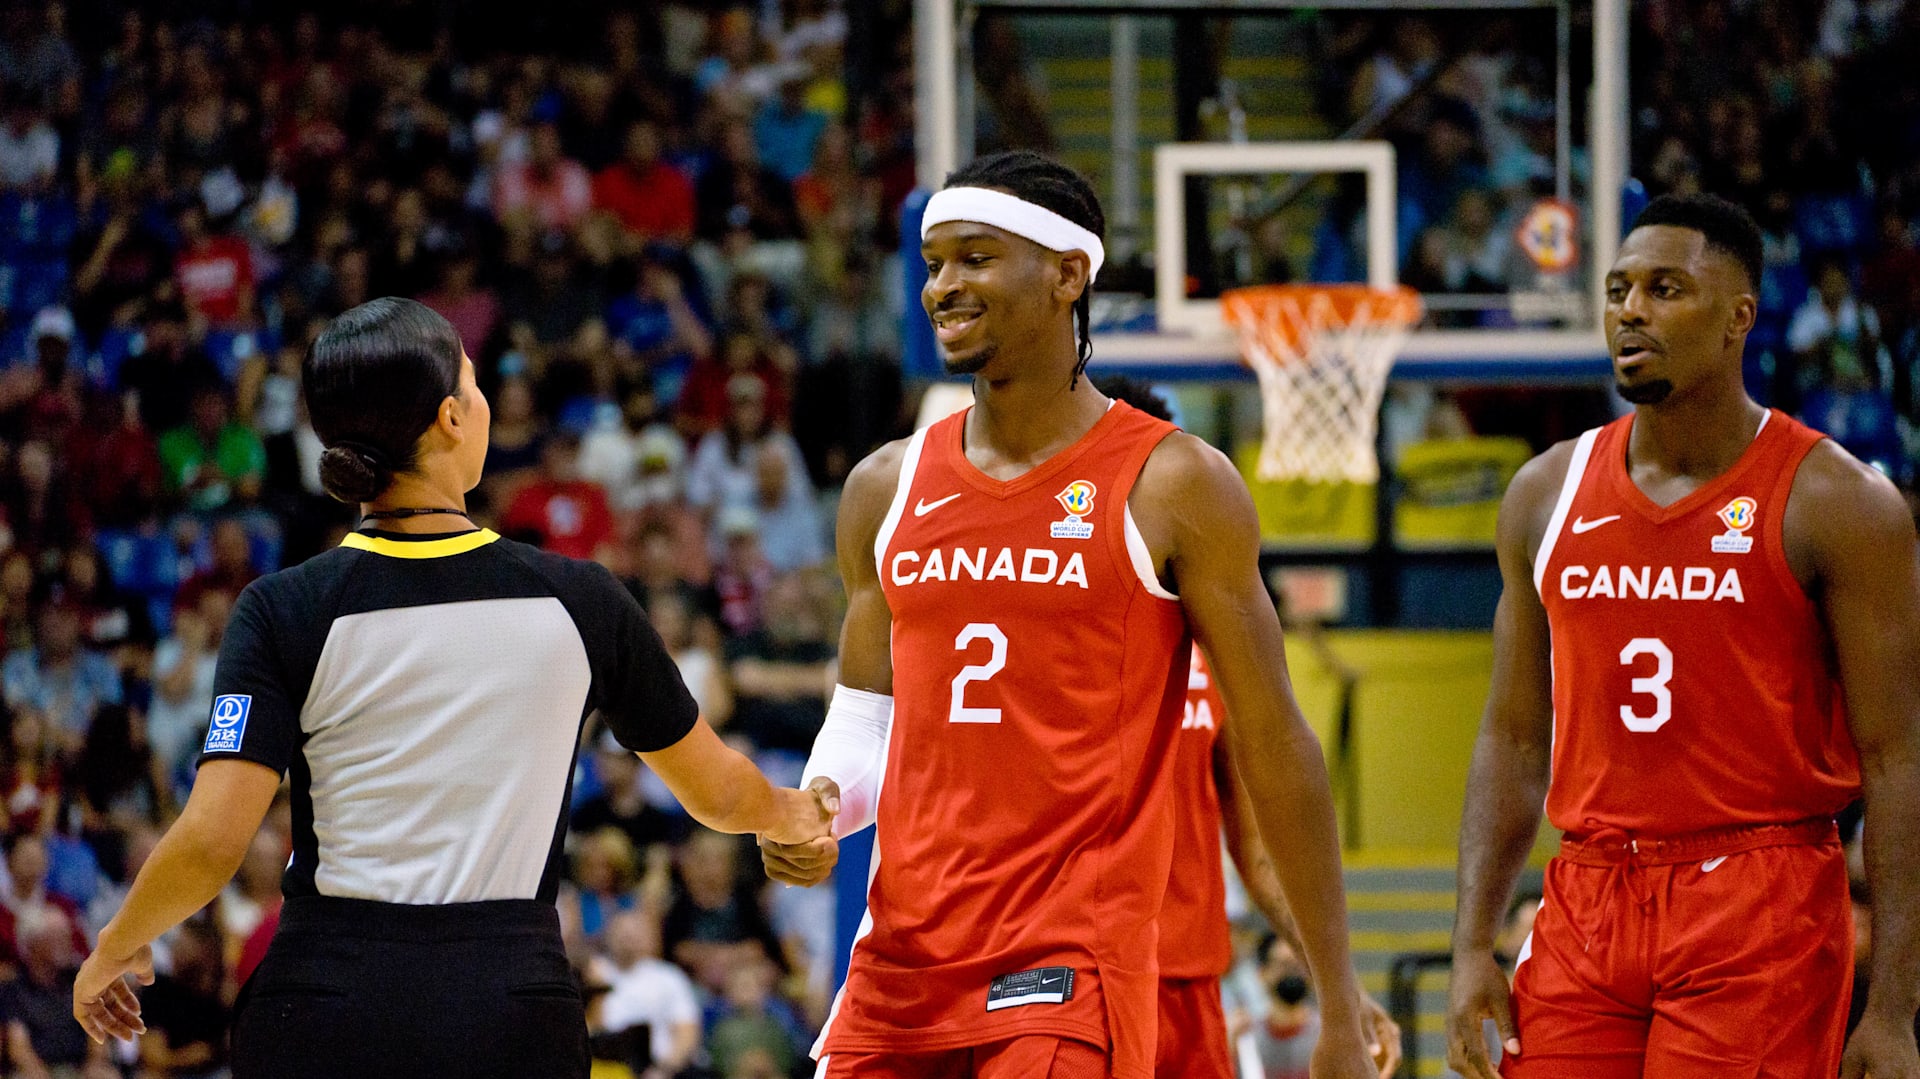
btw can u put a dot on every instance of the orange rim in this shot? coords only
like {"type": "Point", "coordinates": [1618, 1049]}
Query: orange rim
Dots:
{"type": "Point", "coordinates": [1286, 309]}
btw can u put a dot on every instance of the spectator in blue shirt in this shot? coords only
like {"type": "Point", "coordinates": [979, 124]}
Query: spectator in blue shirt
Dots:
{"type": "Point", "coordinates": [786, 131]}
{"type": "Point", "coordinates": [656, 321]}
{"type": "Point", "coordinates": [58, 678]}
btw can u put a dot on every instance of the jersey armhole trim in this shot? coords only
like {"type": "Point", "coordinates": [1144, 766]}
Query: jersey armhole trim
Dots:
{"type": "Point", "coordinates": [909, 464]}
{"type": "Point", "coordinates": [1142, 558]}
{"type": "Point", "coordinates": [1576, 471]}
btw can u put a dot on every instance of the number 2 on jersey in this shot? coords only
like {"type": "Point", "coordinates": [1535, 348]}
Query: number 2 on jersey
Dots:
{"type": "Point", "coordinates": [979, 672]}
{"type": "Point", "coordinates": [1654, 685]}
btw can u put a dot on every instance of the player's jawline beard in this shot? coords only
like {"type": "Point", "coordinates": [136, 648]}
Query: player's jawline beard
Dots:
{"type": "Point", "coordinates": [970, 365]}
{"type": "Point", "coordinates": [1651, 392]}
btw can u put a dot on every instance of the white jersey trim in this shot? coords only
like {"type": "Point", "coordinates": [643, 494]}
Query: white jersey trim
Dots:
{"type": "Point", "coordinates": [819, 1050]}
{"type": "Point", "coordinates": [1576, 471]}
{"type": "Point", "coordinates": [909, 464]}
{"type": "Point", "coordinates": [1142, 559]}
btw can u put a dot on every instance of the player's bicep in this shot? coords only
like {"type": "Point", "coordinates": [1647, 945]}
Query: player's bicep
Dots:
{"type": "Point", "coordinates": [1870, 591]}
{"type": "Point", "coordinates": [1520, 701]}
{"type": "Point", "coordinates": [1216, 566]}
{"type": "Point", "coordinates": [866, 637]}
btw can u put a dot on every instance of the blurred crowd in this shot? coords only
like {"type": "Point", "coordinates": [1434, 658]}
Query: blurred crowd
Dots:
{"type": "Point", "coordinates": [666, 235]}
{"type": "Point", "coordinates": [663, 234]}
{"type": "Point", "coordinates": [1803, 112]}
{"type": "Point", "coordinates": [1809, 118]}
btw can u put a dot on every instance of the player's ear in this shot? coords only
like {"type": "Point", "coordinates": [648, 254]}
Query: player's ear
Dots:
{"type": "Point", "coordinates": [1740, 320]}
{"type": "Point", "coordinates": [1074, 266]}
{"type": "Point", "coordinates": [448, 421]}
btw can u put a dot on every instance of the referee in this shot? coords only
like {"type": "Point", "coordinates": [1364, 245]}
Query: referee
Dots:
{"type": "Point", "coordinates": [424, 686]}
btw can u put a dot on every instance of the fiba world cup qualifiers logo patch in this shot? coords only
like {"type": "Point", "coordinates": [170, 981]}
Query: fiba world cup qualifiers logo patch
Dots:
{"type": "Point", "coordinates": [1077, 500]}
{"type": "Point", "coordinates": [1738, 515]}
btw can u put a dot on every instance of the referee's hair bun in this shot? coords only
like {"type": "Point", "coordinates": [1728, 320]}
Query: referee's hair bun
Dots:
{"type": "Point", "coordinates": [354, 473]}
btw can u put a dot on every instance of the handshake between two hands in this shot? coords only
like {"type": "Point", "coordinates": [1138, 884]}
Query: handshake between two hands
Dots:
{"type": "Point", "coordinates": [804, 851]}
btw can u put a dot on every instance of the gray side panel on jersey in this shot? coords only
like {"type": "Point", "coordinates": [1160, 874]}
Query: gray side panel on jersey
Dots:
{"type": "Point", "coordinates": [439, 757]}
{"type": "Point", "coordinates": [1576, 471]}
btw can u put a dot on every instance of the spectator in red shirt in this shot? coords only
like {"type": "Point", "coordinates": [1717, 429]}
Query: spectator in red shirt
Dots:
{"type": "Point", "coordinates": [473, 308]}
{"type": "Point", "coordinates": [552, 188]}
{"type": "Point", "coordinates": [707, 400]}
{"type": "Point", "coordinates": [27, 866]}
{"type": "Point", "coordinates": [561, 512]}
{"type": "Point", "coordinates": [120, 477]}
{"type": "Point", "coordinates": [652, 200]}
{"type": "Point", "coordinates": [214, 271]}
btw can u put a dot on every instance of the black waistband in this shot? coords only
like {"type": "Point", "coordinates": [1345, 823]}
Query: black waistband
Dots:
{"type": "Point", "coordinates": [424, 921]}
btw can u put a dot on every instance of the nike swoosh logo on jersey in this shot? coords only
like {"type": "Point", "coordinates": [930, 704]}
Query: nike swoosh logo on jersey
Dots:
{"type": "Point", "coordinates": [924, 507]}
{"type": "Point", "coordinates": [1582, 526]}
{"type": "Point", "coordinates": [1712, 864]}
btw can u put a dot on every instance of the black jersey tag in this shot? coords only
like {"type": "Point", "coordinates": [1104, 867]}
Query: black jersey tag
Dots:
{"type": "Point", "coordinates": [1045, 985]}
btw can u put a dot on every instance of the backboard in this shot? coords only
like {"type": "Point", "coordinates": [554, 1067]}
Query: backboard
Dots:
{"type": "Point", "coordinates": [1239, 142]}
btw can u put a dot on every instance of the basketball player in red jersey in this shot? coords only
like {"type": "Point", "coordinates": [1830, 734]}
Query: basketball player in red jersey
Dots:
{"type": "Point", "coordinates": [1195, 942]}
{"type": "Point", "coordinates": [1022, 580]}
{"type": "Point", "coordinates": [1195, 948]}
{"type": "Point", "coordinates": [1714, 579]}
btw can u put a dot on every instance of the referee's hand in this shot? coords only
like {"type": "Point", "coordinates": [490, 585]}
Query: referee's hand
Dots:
{"type": "Point", "coordinates": [809, 863]}
{"type": "Point", "coordinates": [804, 815]}
{"type": "Point", "coordinates": [103, 1001]}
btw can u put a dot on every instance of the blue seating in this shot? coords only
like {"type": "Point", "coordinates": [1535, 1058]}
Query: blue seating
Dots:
{"type": "Point", "coordinates": [231, 349]}
{"type": "Point", "coordinates": [36, 229]}
{"type": "Point", "coordinates": [1783, 287]}
{"type": "Point", "coordinates": [1834, 224]}
{"type": "Point", "coordinates": [29, 283]}
{"type": "Point", "coordinates": [14, 350]}
{"type": "Point", "coordinates": [117, 345]}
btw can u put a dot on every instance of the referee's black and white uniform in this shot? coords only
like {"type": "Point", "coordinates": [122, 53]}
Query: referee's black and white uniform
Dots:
{"type": "Point", "coordinates": [425, 695]}
{"type": "Point", "coordinates": [423, 690]}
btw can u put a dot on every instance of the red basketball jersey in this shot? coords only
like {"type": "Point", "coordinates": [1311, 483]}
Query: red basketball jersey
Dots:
{"type": "Point", "coordinates": [1025, 825]}
{"type": "Point", "coordinates": [1692, 683]}
{"type": "Point", "coordinates": [1194, 942]}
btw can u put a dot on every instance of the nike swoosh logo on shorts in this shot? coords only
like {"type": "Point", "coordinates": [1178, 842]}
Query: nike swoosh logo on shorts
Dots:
{"type": "Point", "coordinates": [924, 507]}
{"type": "Point", "coordinates": [1712, 864]}
{"type": "Point", "coordinates": [1580, 526]}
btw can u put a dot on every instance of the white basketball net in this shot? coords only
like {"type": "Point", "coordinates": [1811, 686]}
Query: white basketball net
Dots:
{"type": "Point", "coordinates": [1322, 355]}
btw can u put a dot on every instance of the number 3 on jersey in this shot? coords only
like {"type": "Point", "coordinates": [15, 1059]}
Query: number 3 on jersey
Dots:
{"type": "Point", "coordinates": [979, 672]}
{"type": "Point", "coordinates": [1654, 685]}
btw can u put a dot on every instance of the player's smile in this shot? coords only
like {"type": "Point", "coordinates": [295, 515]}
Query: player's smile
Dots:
{"type": "Point", "coordinates": [954, 323]}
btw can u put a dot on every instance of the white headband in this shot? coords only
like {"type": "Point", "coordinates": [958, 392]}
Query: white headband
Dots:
{"type": "Point", "coordinates": [1016, 215]}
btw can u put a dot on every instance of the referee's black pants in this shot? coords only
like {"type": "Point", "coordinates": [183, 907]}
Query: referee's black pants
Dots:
{"type": "Point", "coordinates": [354, 989]}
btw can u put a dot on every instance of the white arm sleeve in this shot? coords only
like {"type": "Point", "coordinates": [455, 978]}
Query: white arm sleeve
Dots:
{"type": "Point", "coordinates": [851, 750]}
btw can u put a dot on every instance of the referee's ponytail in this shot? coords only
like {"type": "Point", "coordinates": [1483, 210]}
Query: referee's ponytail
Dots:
{"type": "Point", "coordinates": [374, 380]}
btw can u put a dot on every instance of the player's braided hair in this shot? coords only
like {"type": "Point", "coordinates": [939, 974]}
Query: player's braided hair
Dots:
{"type": "Point", "coordinates": [1057, 187]}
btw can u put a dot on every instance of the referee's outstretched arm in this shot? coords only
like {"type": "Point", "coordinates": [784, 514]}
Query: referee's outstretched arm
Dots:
{"type": "Point", "coordinates": [721, 788]}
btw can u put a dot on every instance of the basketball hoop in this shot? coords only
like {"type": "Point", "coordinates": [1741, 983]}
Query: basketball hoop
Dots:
{"type": "Point", "coordinates": [1322, 353]}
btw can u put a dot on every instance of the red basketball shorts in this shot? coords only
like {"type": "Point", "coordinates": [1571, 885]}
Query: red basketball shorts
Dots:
{"type": "Point", "coordinates": [1035, 1056]}
{"type": "Point", "coordinates": [1705, 957]}
{"type": "Point", "coordinates": [1193, 1031]}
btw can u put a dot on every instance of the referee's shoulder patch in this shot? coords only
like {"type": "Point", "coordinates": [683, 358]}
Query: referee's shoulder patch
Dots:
{"type": "Point", "coordinates": [228, 725]}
